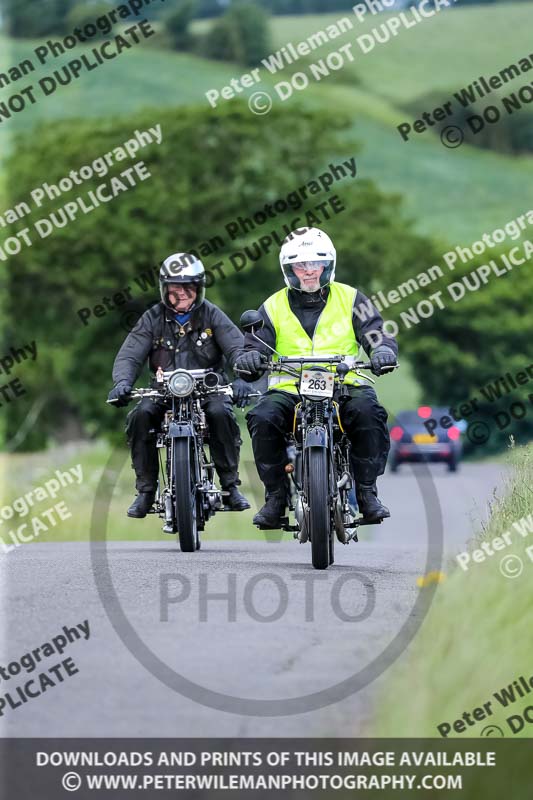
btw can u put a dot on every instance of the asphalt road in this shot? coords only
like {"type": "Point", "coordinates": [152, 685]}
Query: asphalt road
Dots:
{"type": "Point", "coordinates": [278, 630]}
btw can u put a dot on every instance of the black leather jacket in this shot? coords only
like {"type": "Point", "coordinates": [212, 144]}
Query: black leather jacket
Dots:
{"type": "Point", "coordinates": [207, 341]}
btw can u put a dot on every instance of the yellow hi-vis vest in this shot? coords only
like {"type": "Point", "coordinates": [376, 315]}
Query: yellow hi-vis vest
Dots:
{"type": "Point", "coordinates": [333, 334]}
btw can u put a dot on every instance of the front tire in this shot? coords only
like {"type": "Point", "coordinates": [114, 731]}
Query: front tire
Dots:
{"type": "Point", "coordinates": [319, 512]}
{"type": "Point", "coordinates": [185, 495]}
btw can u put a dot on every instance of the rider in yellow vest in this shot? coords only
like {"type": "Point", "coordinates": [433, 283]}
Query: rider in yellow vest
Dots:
{"type": "Point", "coordinates": [315, 315]}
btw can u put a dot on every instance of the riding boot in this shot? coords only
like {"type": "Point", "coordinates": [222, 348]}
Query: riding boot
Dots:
{"type": "Point", "coordinates": [274, 509]}
{"type": "Point", "coordinates": [369, 504]}
{"type": "Point", "coordinates": [141, 505]}
{"type": "Point", "coordinates": [234, 500]}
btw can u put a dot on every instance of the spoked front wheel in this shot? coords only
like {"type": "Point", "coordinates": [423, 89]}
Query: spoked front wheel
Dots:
{"type": "Point", "coordinates": [319, 511]}
{"type": "Point", "coordinates": [185, 505]}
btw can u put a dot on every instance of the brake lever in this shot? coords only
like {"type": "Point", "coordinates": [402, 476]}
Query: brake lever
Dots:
{"type": "Point", "coordinates": [364, 377]}
{"type": "Point", "coordinates": [116, 399]}
{"type": "Point", "coordinates": [390, 368]}
{"type": "Point", "coordinates": [139, 394]}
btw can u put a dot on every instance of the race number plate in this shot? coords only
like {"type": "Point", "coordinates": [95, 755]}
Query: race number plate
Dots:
{"type": "Point", "coordinates": [317, 383]}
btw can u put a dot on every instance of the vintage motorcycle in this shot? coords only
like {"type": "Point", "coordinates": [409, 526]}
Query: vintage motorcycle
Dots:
{"type": "Point", "coordinates": [320, 485]}
{"type": "Point", "coordinates": [186, 496]}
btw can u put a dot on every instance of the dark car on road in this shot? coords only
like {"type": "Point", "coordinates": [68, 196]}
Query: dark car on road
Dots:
{"type": "Point", "coordinates": [411, 440]}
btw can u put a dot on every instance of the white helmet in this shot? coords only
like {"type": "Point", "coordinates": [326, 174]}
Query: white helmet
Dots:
{"type": "Point", "coordinates": [307, 246]}
{"type": "Point", "coordinates": [182, 268]}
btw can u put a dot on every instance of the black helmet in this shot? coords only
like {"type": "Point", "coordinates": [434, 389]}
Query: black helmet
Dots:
{"type": "Point", "coordinates": [182, 268]}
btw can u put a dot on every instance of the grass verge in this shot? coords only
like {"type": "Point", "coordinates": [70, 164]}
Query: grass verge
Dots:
{"type": "Point", "coordinates": [476, 639]}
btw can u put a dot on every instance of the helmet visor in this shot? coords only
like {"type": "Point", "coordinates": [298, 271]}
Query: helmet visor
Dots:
{"type": "Point", "coordinates": [182, 296]}
{"type": "Point", "coordinates": [310, 266]}
{"type": "Point", "coordinates": [298, 274]}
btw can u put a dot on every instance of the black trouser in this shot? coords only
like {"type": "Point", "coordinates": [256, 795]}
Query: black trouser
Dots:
{"type": "Point", "coordinates": [362, 417]}
{"type": "Point", "coordinates": [145, 419]}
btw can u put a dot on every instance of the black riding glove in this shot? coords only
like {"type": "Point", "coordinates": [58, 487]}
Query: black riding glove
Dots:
{"type": "Point", "coordinates": [120, 394]}
{"type": "Point", "coordinates": [250, 362]}
{"type": "Point", "coordinates": [383, 359]}
{"type": "Point", "coordinates": [241, 392]}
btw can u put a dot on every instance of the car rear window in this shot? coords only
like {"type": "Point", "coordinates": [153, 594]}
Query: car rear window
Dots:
{"type": "Point", "coordinates": [411, 419]}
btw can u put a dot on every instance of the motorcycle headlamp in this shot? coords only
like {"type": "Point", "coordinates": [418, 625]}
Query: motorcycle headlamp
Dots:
{"type": "Point", "coordinates": [181, 383]}
{"type": "Point", "coordinates": [211, 380]}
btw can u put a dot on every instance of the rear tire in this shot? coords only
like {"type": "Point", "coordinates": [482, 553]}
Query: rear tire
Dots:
{"type": "Point", "coordinates": [319, 512]}
{"type": "Point", "coordinates": [185, 495]}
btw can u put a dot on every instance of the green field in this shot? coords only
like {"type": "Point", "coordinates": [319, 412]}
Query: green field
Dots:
{"type": "Point", "coordinates": [444, 52]}
{"type": "Point", "coordinates": [463, 192]}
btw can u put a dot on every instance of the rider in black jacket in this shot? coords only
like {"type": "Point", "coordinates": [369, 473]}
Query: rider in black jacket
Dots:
{"type": "Point", "coordinates": [182, 331]}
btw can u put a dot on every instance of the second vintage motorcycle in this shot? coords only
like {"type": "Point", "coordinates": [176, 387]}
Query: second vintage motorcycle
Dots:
{"type": "Point", "coordinates": [187, 496]}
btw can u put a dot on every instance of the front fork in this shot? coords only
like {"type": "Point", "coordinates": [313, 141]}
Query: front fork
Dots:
{"type": "Point", "coordinates": [164, 502]}
{"type": "Point", "coordinates": [163, 496]}
{"type": "Point", "coordinates": [319, 433]}
{"type": "Point", "coordinates": [346, 509]}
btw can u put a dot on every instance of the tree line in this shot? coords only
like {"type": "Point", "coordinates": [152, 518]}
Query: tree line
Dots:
{"type": "Point", "coordinates": [193, 192]}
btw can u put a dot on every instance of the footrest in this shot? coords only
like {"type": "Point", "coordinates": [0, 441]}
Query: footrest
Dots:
{"type": "Point", "coordinates": [352, 535]}
{"type": "Point", "coordinates": [283, 525]}
{"type": "Point", "coordinates": [363, 521]}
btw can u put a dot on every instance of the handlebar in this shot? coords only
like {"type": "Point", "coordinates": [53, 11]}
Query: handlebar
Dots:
{"type": "Point", "coordinates": [195, 373]}
{"type": "Point", "coordinates": [322, 360]}
{"type": "Point", "coordinates": [271, 365]}
{"type": "Point", "coordinates": [286, 361]}
{"type": "Point", "coordinates": [162, 393]}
